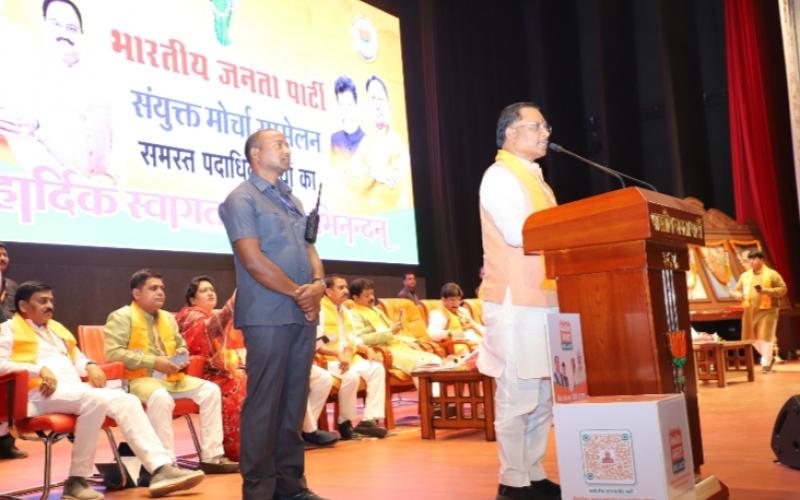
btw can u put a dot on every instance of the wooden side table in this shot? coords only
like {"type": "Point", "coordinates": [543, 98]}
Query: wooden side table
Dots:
{"type": "Point", "coordinates": [713, 359]}
{"type": "Point", "coordinates": [739, 356]}
{"type": "Point", "coordinates": [465, 401]}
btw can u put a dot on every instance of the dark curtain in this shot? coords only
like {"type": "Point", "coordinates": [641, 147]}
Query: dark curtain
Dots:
{"type": "Point", "coordinates": [758, 124]}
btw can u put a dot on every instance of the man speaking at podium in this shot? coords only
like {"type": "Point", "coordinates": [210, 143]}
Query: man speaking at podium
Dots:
{"type": "Point", "coordinates": [517, 298]}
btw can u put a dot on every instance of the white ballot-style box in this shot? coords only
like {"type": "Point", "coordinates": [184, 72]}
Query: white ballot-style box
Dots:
{"type": "Point", "coordinates": [624, 447]}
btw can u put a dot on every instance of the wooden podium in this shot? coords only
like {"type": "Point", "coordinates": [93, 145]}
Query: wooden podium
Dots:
{"type": "Point", "coordinates": [620, 260]}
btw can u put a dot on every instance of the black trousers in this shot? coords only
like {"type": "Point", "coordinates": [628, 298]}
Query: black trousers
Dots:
{"type": "Point", "coordinates": [272, 449]}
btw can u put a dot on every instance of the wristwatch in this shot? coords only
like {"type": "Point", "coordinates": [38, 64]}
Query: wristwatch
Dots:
{"type": "Point", "coordinates": [319, 280]}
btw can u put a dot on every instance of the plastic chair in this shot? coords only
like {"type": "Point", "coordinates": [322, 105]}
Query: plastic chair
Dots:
{"type": "Point", "coordinates": [92, 342]}
{"type": "Point", "coordinates": [48, 429]}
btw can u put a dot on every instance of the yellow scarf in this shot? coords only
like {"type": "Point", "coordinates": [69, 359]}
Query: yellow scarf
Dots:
{"type": "Point", "coordinates": [453, 321]}
{"type": "Point", "coordinates": [140, 340]}
{"type": "Point", "coordinates": [374, 317]}
{"type": "Point", "coordinates": [330, 317]}
{"type": "Point", "coordinates": [26, 343]}
{"type": "Point", "coordinates": [541, 196]}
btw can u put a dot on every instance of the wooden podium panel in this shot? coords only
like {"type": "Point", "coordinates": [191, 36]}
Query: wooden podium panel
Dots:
{"type": "Point", "coordinates": [620, 260]}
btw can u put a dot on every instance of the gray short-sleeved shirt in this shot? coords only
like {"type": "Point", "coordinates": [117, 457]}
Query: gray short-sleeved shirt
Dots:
{"type": "Point", "coordinates": [255, 209]}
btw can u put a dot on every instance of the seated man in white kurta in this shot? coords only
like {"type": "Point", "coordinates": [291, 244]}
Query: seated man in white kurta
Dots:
{"type": "Point", "coordinates": [146, 339]}
{"type": "Point", "coordinates": [33, 342]}
{"type": "Point", "coordinates": [451, 320]}
{"type": "Point", "coordinates": [372, 327]}
{"type": "Point", "coordinates": [350, 361]}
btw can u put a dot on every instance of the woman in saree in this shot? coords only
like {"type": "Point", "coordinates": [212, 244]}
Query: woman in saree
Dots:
{"type": "Point", "coordinates": [209, 333]}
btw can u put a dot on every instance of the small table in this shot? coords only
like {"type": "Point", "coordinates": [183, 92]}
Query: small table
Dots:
{"type": "Point", "coordinates": [465, 401]}
{"type": "Point", "coordinates": [714, 358]}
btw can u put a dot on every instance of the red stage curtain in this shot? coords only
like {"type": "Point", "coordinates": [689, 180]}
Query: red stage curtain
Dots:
{"type": "Point", "coordinates": [753, 158]}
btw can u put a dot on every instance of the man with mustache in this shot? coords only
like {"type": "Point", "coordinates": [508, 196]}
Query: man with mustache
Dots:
{"type": "Point", "coordinates": [279, 283]}
{"type": "Point", "coordinates": [517, 299]}
{"type": "Point", "coordinates": [72, 126]}
{"type": "Point", "coordinates": [33, 342]}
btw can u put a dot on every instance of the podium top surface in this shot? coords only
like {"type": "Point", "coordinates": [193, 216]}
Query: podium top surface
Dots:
{"type": "Point", "coordinates": [622, 215]}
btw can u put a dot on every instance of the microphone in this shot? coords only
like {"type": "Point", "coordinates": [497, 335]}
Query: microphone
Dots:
{"type": "Point", "coordinates": [312, 222]}
{"type": "Point", "coordinates": [610, 171]}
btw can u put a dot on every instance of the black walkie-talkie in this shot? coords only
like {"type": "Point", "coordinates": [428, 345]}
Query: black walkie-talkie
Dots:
{"type": "Point", "coordinates": [312, 222]}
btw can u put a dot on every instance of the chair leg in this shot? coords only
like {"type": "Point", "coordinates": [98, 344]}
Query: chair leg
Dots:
{"type": "Point", "coordinates": [389, 410]}
{"type": "Point", "coordinates": [322, 421]}
{"type": "Point", "coordinates": [336, 412]}
{"type": "Point", "coordinates": [195, 439]}
{"type": "Point", "coordinates": [48, 456]}
{"type": "Point", "coordinates": [122, 472]}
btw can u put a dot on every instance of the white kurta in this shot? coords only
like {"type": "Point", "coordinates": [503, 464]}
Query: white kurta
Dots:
{"type": "Point", "coordinates": [91, 404]}
{"type": "Point", "coordinates": [372, 372]}
{"type": "Point", "coordinates": [514, 349]}
{"type": "Point", "coordinates": [437, 326]}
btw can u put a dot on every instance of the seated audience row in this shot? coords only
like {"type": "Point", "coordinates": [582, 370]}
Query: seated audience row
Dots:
{"type": "Point", "coordinates": [33, 342]}
{"type": "Point", "coordinates": [153, 345]}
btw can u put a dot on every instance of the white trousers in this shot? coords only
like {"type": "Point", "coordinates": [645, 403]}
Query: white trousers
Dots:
{"type": "Point", "coordinates": [319, 387]}
{"type": "Point", "coordinates": [92, 405]}
{"type": "Point", "coordinates": [765, 349]}
{"type": "Point", "coordinates": [523, 412]}
{"type": "Point", "coordinates": [208, 398]}
{"type": "Point", "coordinates": [523, 406]}
{"type": "Point", "coordinates": [374, 374]}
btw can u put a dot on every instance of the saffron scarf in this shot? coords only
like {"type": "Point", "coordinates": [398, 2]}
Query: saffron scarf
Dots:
{"type": "Point", "coordinates": [140, 340]}
{"type": "Point", "coordinates": [26, 343]}
{"type": "Point", "coordinates": [540, 195]}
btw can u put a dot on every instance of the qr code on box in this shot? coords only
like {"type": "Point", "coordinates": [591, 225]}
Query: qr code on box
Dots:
{"type": "Point", "coordinates": [608, 457]}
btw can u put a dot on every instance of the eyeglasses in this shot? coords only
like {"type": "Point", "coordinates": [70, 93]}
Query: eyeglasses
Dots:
{"type": "Point", "coordinates": [537, 126]}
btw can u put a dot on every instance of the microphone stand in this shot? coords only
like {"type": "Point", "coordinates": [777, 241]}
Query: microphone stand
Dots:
{"type": "Point", "coordinates": [610, 171]}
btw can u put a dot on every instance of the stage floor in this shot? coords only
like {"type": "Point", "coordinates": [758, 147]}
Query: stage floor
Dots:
{"type": "Point", "coordinates": [736, 421]}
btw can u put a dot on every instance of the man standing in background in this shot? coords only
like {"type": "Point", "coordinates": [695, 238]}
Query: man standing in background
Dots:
{"type": "Point", "coordinates": [10, 285]}
{"type": "Point", "coordinates": [280, 282]}
{"type": "Point", "coordinates": [517, 299]}
{"type": "Point", "coordinates": [760, 289]}
{"type": "Point", "coordinates": [409, 290]}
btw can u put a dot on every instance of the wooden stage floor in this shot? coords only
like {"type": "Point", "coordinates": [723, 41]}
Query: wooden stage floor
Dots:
{"type": "Point", "coordinates": [736, 421]}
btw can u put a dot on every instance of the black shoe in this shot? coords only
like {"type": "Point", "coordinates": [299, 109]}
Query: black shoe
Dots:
{"type": "Point", "coordinates": [514, 493]}
{"type": "Point", "coordinates": [320, 438]}
{"type": "Point", "coordinates": [546, 488]}
{"type": "Point", "coordinates": [346, 430]}
{"type": "Point", "coordinates": [8, 448]}
{"type": "Point", "coordinates": [302, 495]}
{"type": "Point", "coordinates": [219, 465]}
{"type": "Point", "coordinates": [371, 429]}
{"type": "Point", "coordinates": [144, 478]}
